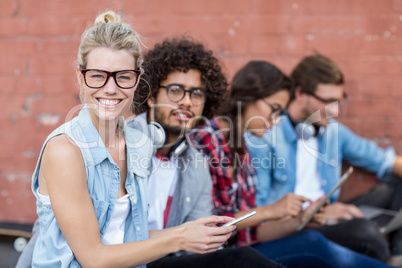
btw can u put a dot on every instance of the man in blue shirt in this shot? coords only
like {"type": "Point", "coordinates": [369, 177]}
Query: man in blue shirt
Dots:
{"type": "Point", "coordinates": [304, 155]}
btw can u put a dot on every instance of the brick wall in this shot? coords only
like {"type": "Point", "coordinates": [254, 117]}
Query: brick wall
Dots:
{"type": "Point", "coordinates": [39, 41]}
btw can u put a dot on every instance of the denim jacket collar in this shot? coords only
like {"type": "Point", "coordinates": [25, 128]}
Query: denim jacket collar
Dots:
{"type": "Point", "coordinates": [133, 141]}
{"type": "Point", "coordinates": [288, 129]}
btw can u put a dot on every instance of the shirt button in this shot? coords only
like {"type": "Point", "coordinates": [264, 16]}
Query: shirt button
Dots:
{"type": "Point", "coordinates": [332, 162]}
{"type": "Point", "coordinates": [284, 177]}
{"type": "Point", "coordinates": [323, 182]}
{"type": "Point", "coordinates": [135, 201]}
{"type": "Point", "coordinates": [149, 172]}
{"type": "Point", "coordinates": [319, 163]}
{"type": "Point", "coordinates": [188, 199]}
{"type": "Point", "coordinates": [138, 228]}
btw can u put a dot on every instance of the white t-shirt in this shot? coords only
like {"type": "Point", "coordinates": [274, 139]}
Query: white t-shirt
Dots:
{"type": "Point", "coordinates": [114, 233]}
{"type": "Point", "coordinates": [308, 179]}
{"type": "Point", "coordinates": [161, 185]}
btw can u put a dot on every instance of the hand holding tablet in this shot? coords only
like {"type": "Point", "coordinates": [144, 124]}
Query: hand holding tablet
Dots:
{"type": "Point", "coordinates": [324, 201]}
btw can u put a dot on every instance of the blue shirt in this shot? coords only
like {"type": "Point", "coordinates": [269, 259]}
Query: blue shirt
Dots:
{"type": "Point", "coordinates": [274, 158]}
{"type": "Point", "coordinates": [103, 180]}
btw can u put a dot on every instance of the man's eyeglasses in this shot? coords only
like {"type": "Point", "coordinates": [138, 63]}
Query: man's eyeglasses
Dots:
{"type": "Point", "coordinates": [98, 78]}
{"type": "Point", "coordinates": [176, 93]}
{"type": "Point", "coordinates": [326, 101]}
{"type": "Point", "coordinates": [276, 111]}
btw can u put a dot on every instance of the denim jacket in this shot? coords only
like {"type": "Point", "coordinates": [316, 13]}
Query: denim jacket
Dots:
{"type": "Point", "coordinates": [51, 248]}
{"type": "Point", "coordinates": [274, 157]}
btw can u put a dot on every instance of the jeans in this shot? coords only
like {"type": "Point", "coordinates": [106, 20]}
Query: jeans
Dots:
{"type": "Point", "coordinates": [243, 257]}
{"type": "Point", "coordinates": [385, 195]}
{"type": "Point", "coordinates": [310, 249]}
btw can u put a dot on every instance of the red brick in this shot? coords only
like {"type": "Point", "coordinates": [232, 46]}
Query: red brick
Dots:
{"type": "Point", "coordinates": [13, 106]}
{"type": "Point", "coordinates": [373, 107]}
{"type": "Point", "coordinates": [12, 65]}
{"type": "Point", "coordinates": [395, 128]}
{"type": "Point", "coordinates": [17, 201]}
{"type": "Point", "coordinates": [359, 182]}
{"type": "Point", "coordinates": [67, 48]}
{"type": "Point", "coordinates": [264, 45]}
{"type": "Point", "coordinates": [396, 87]}
{"type": "Point", "coordinates": [329, 45]}
{"type": "Point", "coordinates": [12, 27]}
{"type": "Point", "coordinates": [50, 65]}
{"type": "Point", "coordinates": [380, 24]}
{"type": "Point", "coordinates": [375, 127]}
{"type": "Point", "coordinates": [7, 47]}
{"type": "Point", "coordinates": [28, 85]}
{"type": "Point", "coordinates": [57, 84]}
{"type": "Point", "coordinates": [346, 6]}
{"type": "Point", "coordinates": [291, 45]}
{"type": "Point", "coordinates": [352, 123]}
{"type": "Point", "coordinates": [265, 7]}
{"type": "Point", "coordinates": [8, 84]}
{"type": "Point", "coordinates": [366, 65]}
{"type": "Point", "coordinates": [264, 24]}
{"type": "Point", "coordinates": [54, 104]}
{"type": "Point", "coordinates": [378, 46]}
{"type": "Point", "coordinates": [374, 85]}
{"type": "Point", "coordinates": [52, 26]}
{"type": "Point", "coordinates": [397, 5]}
{"type": "Point", "coordinates": [336, 24]}
{"type": "Point", "coordinates": [233, 64]}
{"type": "Point", "coordinates": [330, 6]}
{"type": "Point", "coordinates": [8, 8]}
{"type": "Point", "coordinates": [391, 66]}
{"type": "Point", "coordinates": [374, 6]}
{"type": "Point", "coordinates": [26, 47]}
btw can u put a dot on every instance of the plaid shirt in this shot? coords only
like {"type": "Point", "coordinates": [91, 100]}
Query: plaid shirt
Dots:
{"type": "Point", "coordinates": [227, 198]}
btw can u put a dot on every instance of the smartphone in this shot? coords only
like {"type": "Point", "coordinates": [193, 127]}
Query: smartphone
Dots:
{"type": "Point", "coordinates": [240, 218]}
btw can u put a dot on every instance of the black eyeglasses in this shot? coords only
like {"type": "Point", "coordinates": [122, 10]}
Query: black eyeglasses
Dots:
{"type": "Point", "coordinates": [176, 93]}
{"type": "Point", "coordinates": [276, 111]}
{"type": "Point", "coordinates": [326, 101]}
{"type": "Point", "coordinates": [98, 78]}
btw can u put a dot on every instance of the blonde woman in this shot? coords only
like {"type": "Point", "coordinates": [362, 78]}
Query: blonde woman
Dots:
{"type": "Point", "coordinates": [91, 198]}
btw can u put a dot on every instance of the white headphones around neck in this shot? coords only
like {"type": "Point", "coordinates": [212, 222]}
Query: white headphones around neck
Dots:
{"type": "Point", "coordinates": [305, 130]}
{"type": "Point", "coordinates": [159, 137]}
{"type": "Point", "coordinates": [157, 134]}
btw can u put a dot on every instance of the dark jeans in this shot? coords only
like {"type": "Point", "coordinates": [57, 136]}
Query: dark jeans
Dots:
{"type": "Point", "coordinates": [389, 196]}
{"type": "Point", "coordinates": [310, 249]}
{"type": "Point", "coordinates": [362, 235]}
{"type": "Point", "coordinates": [232, 257]}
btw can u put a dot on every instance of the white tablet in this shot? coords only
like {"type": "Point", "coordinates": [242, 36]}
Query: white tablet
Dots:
{"type": "Point", "coordinates": [322, 203]}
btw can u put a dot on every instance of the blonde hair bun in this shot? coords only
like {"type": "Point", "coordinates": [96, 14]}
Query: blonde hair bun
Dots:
{"type": "Point", "coordinates": [108, 17]}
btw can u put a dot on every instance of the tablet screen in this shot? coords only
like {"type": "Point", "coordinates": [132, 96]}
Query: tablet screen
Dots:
{"type": "Point", "coordinates": [327, 197]}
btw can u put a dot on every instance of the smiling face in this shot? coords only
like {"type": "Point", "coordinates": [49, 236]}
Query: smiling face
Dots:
{"type": "Point", "coordinates": [258, 116]}
{"type": "Point", "coordinates": [110, 101]}
{"type": "Point", "coordinates": [176, 117]}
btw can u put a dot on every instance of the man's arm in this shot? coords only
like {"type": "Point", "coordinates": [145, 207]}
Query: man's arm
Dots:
{"type": "Point", "coordinates": [366, 154]}
{"type": "Point", "coordinates": [397, 168]}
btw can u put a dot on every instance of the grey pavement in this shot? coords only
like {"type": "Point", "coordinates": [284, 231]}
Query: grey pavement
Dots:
{"type": "Point", "coordinates": [8, 255]}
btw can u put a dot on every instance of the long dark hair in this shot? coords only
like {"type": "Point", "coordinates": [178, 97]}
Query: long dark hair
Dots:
{"type": "Point", "coordinates": [256, 80]}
